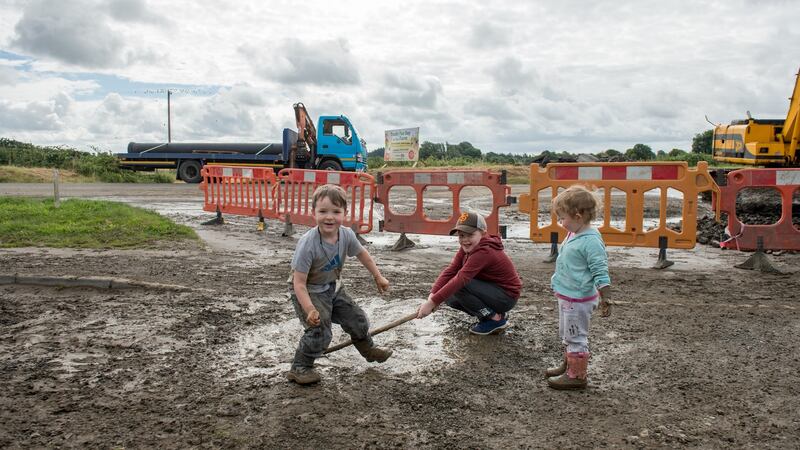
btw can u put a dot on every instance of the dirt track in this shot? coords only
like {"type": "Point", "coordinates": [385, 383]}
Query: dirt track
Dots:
{"type": "Point", "coordinates": [697, 355]}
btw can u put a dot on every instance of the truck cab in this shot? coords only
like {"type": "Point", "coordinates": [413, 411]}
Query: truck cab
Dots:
{"type": "Point", "coordinates": [339, 146]}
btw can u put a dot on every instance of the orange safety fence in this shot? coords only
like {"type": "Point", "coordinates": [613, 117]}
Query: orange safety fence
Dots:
{"type": "Point", "coordinates": [633, 180]}
{"type": "Point", "coordinates": [239, 190]}
{"type": "Point", "coordinates": [296, 186]}
{"type": "Point", "coordinates": [418, 222]}
{"type": "Point", "coordinates": [782, 235]}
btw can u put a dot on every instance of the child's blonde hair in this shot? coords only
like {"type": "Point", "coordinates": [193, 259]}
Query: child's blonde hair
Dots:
{"type": "Point", "coordinates": [577, 199]}
{"type": "Point", "coordinates": [332, 192]}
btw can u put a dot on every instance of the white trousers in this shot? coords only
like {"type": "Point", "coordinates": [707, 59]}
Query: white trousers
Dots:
{"type": "Point", "coordinates": [573, 324]}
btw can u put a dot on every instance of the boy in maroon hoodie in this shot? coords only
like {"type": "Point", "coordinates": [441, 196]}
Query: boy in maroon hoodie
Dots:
{"type": "Point", "coordinates": [481, 280]}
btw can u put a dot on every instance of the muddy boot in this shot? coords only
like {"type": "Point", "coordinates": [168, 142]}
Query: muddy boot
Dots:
{"type": "Point", "coordinates": [372, 354]}
{"type": "Point", "coordinates": [303, 375]}
{"type": "Point", "coordinates": [558, 370]}
{"type": "Point", "coordinates": [575, 376]}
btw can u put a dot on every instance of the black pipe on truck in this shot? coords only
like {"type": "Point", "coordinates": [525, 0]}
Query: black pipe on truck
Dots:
{"type": "Point", "coordinates": [191, 147]}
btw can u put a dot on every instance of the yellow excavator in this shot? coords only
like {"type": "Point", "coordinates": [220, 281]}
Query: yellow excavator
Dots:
{"type": "Point", "coordinates": [762, 142]}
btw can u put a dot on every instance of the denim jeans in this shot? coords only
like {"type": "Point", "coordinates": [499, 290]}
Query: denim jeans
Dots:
{"type": "Point", "coordinates": [481, 299]}
{"type": "Point", "coordinates": [334, 307]}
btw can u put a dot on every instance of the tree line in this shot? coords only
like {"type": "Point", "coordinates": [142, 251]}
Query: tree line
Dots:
{"type": "Point", "coordinates": [437, 151]}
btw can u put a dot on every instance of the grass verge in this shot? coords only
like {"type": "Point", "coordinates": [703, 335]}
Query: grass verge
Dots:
{"type": "Point", "coordinates": [17, 174]}
{"type": "Point", "coordinates": [77, 223]}
{"type": "Point", "coordinates": [14, 174]}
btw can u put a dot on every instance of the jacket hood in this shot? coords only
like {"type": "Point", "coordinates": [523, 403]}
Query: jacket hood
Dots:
{"type": "Point", "coordinates": [490, 241]}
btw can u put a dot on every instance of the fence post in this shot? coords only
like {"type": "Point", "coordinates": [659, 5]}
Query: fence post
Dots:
{"type": "Point", "coordinates": [56, 195]}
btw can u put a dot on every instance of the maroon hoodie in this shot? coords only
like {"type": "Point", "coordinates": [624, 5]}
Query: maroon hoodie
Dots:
{"type": "Point", "coordinates": [486, 262]}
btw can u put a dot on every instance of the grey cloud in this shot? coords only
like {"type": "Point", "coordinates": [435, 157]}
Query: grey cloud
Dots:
{"type": "Point", "coordinates": [221, 115]}
{"type": "Point", "coordinates": [297, 62]}
{"type": "Point", "coordinates": [33, 116]}
{"type": "Point", "coordinates": [511, 77]}
{"type": "Point", "coordinates": [247, 95]}
{"type": "Point", "coordinates": [62, 104]}
{"type": "Point", "coordinates": [8, 76]}
{"type": "Point", "coordinates": [431, 123]}
{"type": "Point", "coordinates": [407, 90]}
{"type": "Point", "coordinates": [134, 11]}
{"type": "Point", "coordinates": [131, 119]}
{"type": "Point", "coordinates": [492, 107]}
{"type": "Point", "coordinates": [74, 32]}
{"type": "Point", "coordinates": [485, 35]}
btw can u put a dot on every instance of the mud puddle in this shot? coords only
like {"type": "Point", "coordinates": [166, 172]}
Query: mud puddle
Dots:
{"type": "Point", "coordinates": [267, 350]}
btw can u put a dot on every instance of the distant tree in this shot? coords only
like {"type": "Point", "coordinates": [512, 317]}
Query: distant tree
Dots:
{"type": "Point", "coordinates": [661, 154]}
{"type": "Point", "coordinates": [378, 152]}
{"type": "Point", "coordinates": [612, 152]}
{"type": "Point", "coordinates": [640, 152]}
{"type": "Point", "coordinates": [499, 158]}
{"type": "Point", "coordinates": [702, 142]}
{"type": "Point", "coordinates": [466, 149]}
{"type": "Point", "coordinates": [676, 152]}
{"type": "Point", "coordinates": [431, 150]}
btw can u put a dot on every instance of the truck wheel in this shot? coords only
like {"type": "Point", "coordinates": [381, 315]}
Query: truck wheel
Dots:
{"type": "Point", "coordinates": [189, 171]}
{"type": "Point", "coordinates": [330, 164]}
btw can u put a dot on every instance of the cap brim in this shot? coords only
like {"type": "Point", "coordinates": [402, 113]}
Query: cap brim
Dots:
{"type": "Point", "coordinates": [464, 228]}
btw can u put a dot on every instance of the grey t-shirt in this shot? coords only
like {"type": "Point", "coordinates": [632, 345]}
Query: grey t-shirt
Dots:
{"type": "Point", "coordinates": [320, 260]}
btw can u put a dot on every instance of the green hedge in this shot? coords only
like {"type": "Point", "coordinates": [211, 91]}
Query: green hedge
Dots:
{"type": "Point", "coordinates": [101, 166]}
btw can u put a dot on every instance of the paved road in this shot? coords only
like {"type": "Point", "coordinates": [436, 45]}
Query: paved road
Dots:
{"type": "Point", "coordinates": [86, 190]}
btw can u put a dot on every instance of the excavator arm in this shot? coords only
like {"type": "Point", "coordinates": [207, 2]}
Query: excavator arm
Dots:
{"type": "Point", "coordinates": [791, 126]}
{"type": "Point", "coordinates": [306, 136]}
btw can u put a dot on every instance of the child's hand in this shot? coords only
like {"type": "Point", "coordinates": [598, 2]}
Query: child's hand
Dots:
{"type": "Point", "coordinates": [605, 307]}
{"type": "Point", "coordinates": [426, 308]}
{"type": "Point", "coordinates": [382, 283]}
{"type": "Point", "coordinates": [313, 318]}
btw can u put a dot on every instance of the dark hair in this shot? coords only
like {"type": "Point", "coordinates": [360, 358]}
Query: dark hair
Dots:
{"type": "Point", "coordinates": [334, 193]}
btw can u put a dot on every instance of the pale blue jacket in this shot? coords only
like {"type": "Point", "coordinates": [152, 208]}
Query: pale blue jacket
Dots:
{"type": "Point", "coordinates": [582, 266]}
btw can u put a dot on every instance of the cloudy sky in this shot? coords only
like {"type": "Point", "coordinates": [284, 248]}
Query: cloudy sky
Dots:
{"type": "Point", "coordinates": [507, 76]}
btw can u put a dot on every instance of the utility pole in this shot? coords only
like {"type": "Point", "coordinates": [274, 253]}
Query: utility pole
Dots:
{"type": "Point", "coordinates": [169, 117]}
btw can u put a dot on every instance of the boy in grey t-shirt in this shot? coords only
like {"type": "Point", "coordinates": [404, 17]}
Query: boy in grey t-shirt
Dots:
{"type": "Point", "coordinates": [316, 291]}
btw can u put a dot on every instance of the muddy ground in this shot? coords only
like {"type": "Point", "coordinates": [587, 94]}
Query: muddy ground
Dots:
{"type": "Point", "coordinates": [698, 355]}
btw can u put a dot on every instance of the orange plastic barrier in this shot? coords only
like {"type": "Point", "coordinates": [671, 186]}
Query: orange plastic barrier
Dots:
{"type": "Point", "coordinates": [633, 179]}
{"type": "Point", "coordinates": [781, 235]}
{"type": "Point", "coordinates": [239, 190]}
{"type": "Point", "coordinates": [456, 180]}
{"type": "Point", "coordinates": [294, 195]}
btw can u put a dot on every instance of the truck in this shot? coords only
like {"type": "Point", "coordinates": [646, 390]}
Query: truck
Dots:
{"type": "Point", "coordinates": [761, 142]}
{"type": "Point", "coordinates": [332, 145]}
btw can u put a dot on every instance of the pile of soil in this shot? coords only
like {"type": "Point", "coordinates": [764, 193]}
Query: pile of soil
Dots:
{"type": "Point", "coordinates": [753, 207]}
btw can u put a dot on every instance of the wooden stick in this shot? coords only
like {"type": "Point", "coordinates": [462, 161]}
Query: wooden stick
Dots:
{"type": "Point", "coordinates": [378, 330]}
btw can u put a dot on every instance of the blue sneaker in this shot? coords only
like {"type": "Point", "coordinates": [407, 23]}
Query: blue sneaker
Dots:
{"type": "Point", "coordinates": [489, 327]}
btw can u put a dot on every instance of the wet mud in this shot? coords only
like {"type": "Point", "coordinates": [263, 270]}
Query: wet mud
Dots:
{"type": "Point", "coordinates": [698, 355]}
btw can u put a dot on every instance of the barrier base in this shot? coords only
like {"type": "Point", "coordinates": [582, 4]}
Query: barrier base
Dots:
{"type": "Point", "coordinates": [361, 240]}
{"type": "Point", "coordinates": [663, 263]}
{"type": "Point", "coordinates": [551, 258]}
{"type": "Point", "coordinates": [261, 224]}
{"type": "Point", "coordinates": [216, 220]}
{"type": "Point", "coordinates": [758, 261]}
{"type": "Point", "coordinates": [403, 243]}
{"type": "Point", "coordinates": [288, 229]}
